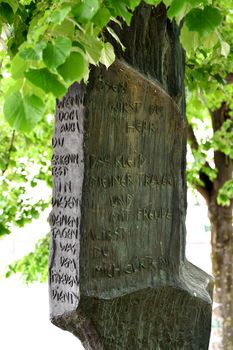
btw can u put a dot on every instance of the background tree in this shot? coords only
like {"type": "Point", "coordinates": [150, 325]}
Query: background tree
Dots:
{"type": "Point", "coordinates": [210, 136]}
{"type": "Point", "coordinates": [48, 45]}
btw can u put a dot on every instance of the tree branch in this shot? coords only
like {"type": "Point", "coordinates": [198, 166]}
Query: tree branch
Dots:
{"type": "Point", "coordinates": [192, 138]}
{"type": "Point", "coordinates": [208, 184]}
{"type": "Point", "coordinates": [9, 152]}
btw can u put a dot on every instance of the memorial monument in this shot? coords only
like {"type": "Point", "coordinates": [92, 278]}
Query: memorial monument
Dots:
{"type": "Point", "coordinates": [119, 279]}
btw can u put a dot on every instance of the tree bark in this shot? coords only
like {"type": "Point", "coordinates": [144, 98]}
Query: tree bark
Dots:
{"type": "Point", "coordinates": [221, 230]}
{"type": "Point", "coordinates": [119, 279]}
{"type": "Point", "coordinates": [222, 267]}
{"type": "Point", "coordinates": [222, 237]}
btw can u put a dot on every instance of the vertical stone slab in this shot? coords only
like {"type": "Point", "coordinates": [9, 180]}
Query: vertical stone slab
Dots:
{"type": "Point", "coordinates": [132, 222]}
{"type": "Point", "coordinates": [65, 218]}
{"type": "Point", "coordinates": [121, 201]}
{"type": "Point", "coordinates": [119, 279]}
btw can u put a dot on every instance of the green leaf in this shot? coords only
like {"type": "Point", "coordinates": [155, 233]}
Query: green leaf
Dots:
{"type": "Point", "coordinates": [203, 21]}
{"type": "Point", "coordinates": [29, 54]}
{"type": "Point", "coordinates": [166, 2]}
{"type": "Point", "coordinates": [39, 47]}
{"type": "Point", "coordinates": [74, 68]}
{"type": "Point", "coordinates": [46, 81]}
{"type": "Point", "coordinates": [12, 3]}
{"type": "Point", "coordinates": [60, 14]}
{"type": "Point", "coordinates": [84, 11]}
{"type": "Point", "coordinates": [115, 36]}
{"type": "Point", "coordinates": [8, 273]}
{"type": "Point", "coordinates": [219, 79]}
{"type": "Point", "coordinates": [210, 40]}
{"type": "Point", "coordinates": [6, 12]}
{"type": "Point", "coordinates": [29, 88]}
{"type": "Point", "coordinates": [66, 27]}
{"type": "Point", "coordinates": [56, 53]}
{"type": "Point", "coordinates": [133, 3]}
{"type": "Point", "coordinates": [93, 47]}
{"type": "Point", "coordinates": [119, 8]}
{"type": "Point", "coordinates": [195, 3]}
{"type": "Point", "coordinates": [36, 30]}
{"type": "Point", "coordinates": [18, 67]}
{"type": "Point", "coordinates": [4, 230]}
{"type": "Point", "coordinates": [225, 48]}
{"type": "Point", "coordinates": [156, 2]}
{"type": "Point", "coordinates": [22, 113]}
{"type": "Point", "coordinates": [225, 193]}
{"type": "Point", "coordinates": [107, 55]}
{"type": "Point", "coordinates": [188, 39]}
{"type": "Point", "coordinates": [102, 17]}
{"type": "Point", "coordinates": [14, 85]}
{"type": "Point", "coordinates": [176, 7]}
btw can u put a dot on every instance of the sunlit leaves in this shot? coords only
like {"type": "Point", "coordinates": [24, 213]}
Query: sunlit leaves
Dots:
{"type": "Point", "coordinates": [225, 194]}
{"type": "Point", "coordinates": [189, 39]}
{"type": "Point", "coordinates": [60, 14]}
{"type": "Point", "coordinates": [67, 28]}
{"type": "Point", "coordinates": [29, 54]}
{"type": "Point", "coordinates": [156, 2]}
{"type": "Point", "coordinates": [46, 81]}
{"type": "Point", "coordinates": [74, 67]}
{"type": "Point", "coordinates": [23, 158]}
{"type": "Point", "coordinates": [56, 52]}
{"type": "Point", "coordinates": [18, 67]}
{"type": "Point", "coordinates": [85, 11]}
{"type": "Point", "coordinates": [119, 8]}
{"type": "Point", "coordinates": [203, 21]}
{"type": "Point", "coordinates": [176, 7]}
{"type": "Point", "coordinates": [225, 48]}
{"type": "Point", "coordinates": [223, 138]}
{"type": "Point", "coordinates": [22, 113]}
{"type": "Point", "coordinates": [107, 55]}
{"type": "Point", "coordinates": [132, 3]}
{"type": "Point", "coordinates": [45, 38]}
{"type": "Point", "coordinates": [102, 17]}
{"type": "Point", "coordinates": [34, 266]}
{"type": "Point", "coordinates": [93, 47]}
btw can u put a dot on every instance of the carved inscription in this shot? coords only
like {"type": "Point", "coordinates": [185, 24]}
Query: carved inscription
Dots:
{"type": "Point", "coordinates": [118, 274]}
{"type": "Point", "coordinates": [129, 182]}
{"type": "Point", "coordinates": [122, 209]}
{"type": "Point", "coordinates": [67, 170]}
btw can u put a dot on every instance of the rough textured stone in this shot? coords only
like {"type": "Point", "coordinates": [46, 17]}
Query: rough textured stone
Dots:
{"type": "Point", "coordinates": [119, 278]}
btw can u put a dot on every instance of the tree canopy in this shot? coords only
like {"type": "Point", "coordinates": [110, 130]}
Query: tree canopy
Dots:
{"type": "Point", "coordinates": [48, 45]}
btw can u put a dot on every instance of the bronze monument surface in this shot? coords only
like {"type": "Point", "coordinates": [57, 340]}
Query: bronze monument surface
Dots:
{"type": "Point", "coordinates": [119, 278]}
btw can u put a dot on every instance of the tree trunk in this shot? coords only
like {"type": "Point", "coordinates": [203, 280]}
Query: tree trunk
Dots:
{"type": "Point", "coordinates": [119, 279]}
{"type": "Point", "coordinates": [222, 238]}
{"type": "Point", "coordinates": [222, 262]}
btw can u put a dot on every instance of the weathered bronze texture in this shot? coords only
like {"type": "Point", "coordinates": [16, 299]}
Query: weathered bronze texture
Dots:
{"type": "Point", "coordinates": [119, 279]}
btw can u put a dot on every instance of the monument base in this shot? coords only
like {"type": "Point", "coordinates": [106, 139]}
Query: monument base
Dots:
{"type": "Point", "coordinates": [176, 316]}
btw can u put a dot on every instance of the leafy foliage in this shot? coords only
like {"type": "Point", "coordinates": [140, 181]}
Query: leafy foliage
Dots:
{"type": "Point", "coordinates": [33, 266]}
{"type": "Point", "coordinates": [225, 193]}
{"type": "Point", "coordinates": [208, 86]}
{"type": "Point", "coordinates": [223, 139]}
{"type": "Point", "coordinates": [24, 163]}
{"type": "Point", "coordinates": [49, 45]}
{"type": "Point", "coordinates": [18, 109]}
